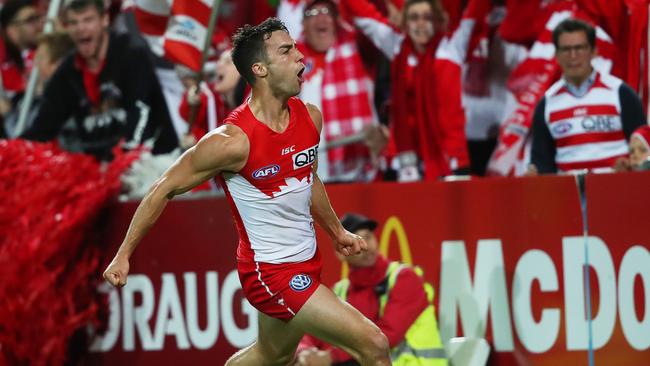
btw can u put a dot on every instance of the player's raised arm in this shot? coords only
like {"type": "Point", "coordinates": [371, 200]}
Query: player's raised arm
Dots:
{"type": "Point", "coordinates": [225, 149]}
{"type": "Point", "coordinates": [345, 242]}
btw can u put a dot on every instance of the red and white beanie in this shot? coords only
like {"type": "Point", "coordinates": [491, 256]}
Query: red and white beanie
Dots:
{"type": "Point", "coordinates": [643, 133]}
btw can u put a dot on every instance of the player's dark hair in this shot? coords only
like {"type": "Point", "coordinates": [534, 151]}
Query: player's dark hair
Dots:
{"type": "Point", "coordinates": [248, 45]}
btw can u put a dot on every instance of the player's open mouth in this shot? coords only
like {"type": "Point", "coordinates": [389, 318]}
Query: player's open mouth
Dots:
{"type": "Point", "coordinates": [300, 74]}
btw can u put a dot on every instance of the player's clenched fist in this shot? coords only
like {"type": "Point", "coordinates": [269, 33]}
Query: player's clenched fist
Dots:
{"type": "Point", "coordinates": [350, 244]}
{"type": "Point", "coordinates": [117, 271]}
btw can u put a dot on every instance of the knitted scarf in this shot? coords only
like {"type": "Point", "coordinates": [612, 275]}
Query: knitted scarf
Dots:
{"type": "Point", "coordinates": [424, 136]}
{"type": "Point", "coordinates": [346, 106]}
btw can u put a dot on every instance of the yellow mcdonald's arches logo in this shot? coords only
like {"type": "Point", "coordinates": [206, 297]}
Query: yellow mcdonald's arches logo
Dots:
{"type": "Point", "coordinates": [392, 225]}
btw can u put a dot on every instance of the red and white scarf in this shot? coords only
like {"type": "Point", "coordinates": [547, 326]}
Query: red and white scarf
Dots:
{"type": "Point", "coordinates": [346, 106]}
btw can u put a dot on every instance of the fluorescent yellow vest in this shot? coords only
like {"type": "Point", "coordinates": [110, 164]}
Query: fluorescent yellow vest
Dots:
{"type": "Point", "coordinates": [422, 345]}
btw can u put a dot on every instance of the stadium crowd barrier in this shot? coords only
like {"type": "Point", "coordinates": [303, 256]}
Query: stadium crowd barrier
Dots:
{"type": "Point", "coordinates": [505, 256]}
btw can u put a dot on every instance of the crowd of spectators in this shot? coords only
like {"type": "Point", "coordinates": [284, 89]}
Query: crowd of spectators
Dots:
{"type": "Point", "coordinates": [409, 89]}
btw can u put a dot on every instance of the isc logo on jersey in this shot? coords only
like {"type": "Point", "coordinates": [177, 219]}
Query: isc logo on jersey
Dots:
{"type": "Point", "coordinates": [305, 158]}
{"type": "Point", "coordinates": [266, 172]}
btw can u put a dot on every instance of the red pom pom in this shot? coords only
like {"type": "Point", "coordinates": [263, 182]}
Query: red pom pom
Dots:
{"type": "Point", "coordinates": [49, 269]}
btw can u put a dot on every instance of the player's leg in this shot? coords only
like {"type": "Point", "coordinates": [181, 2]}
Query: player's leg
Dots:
{"type": "Point", "coordinates": [326, 317]}
{"type": "Point", "coordinates": [276, 344]}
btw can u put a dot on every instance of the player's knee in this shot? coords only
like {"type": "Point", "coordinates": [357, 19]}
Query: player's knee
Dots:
{"type": "Point", "coordinates": [376, 346]}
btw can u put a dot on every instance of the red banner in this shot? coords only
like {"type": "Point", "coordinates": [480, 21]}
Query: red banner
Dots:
{"type": "Point", "coordinates": [505, 256]}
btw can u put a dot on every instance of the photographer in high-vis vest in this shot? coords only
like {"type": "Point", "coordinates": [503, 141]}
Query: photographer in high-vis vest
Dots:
{"type": "Point", "coordinates": [391, 294]}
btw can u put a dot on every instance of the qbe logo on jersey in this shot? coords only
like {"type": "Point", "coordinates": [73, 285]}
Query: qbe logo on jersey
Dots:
{"type": "Point", "coordinates": [304, 158]}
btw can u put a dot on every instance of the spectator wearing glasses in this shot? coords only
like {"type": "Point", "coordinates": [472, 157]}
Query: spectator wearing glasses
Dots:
{"type": "Point", "coordinates": [585, 120]}
{"type": "Point", "coordinates": [337, 83]}
{"type": "Point", "coordinates": [51, 50]}
{"type": "Point", "coordinates": [21, 24]}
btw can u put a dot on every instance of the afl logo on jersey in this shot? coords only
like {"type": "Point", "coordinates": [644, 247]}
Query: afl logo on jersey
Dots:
{"type": "Point", "coordinates": [305, 157]}
{"type": "Point", "coordinates": [266, 172]}
{"type": "Point", "coordinates": [300, 282]}
{"type": "Point", "coordinates": [562, 128]}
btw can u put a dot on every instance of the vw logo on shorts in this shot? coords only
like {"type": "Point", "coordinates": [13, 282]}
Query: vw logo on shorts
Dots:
{"type": "Point", "coordinates": [300, 282]}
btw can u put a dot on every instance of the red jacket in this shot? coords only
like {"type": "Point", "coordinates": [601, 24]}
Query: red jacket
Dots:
{"type": "Point", "coordinates": [637, 71]}
{"type": "Point", "coordinates": [626, 21]}
{"type": "Point", "coordinates": [427, 115]}
{"type": "Point", "coordinates": [405, 303]}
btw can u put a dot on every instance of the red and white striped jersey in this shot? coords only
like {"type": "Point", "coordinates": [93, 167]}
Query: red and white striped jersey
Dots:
{"type": "Point", "coordinates": [535, 74]}
{"type": "Point", "coordinates": [270, 197]}
{"type": "Point", "coordinates": [588, 130]}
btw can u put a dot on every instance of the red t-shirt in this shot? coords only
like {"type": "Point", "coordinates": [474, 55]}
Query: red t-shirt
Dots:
{"type": "Point", "coordinates": [90, 79]}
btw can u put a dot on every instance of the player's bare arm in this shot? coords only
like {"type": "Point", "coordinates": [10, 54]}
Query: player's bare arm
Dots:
{"type": "Point", "coordinates": [345, 242]}
{"type": "Point", "coordinates": [224, 149]}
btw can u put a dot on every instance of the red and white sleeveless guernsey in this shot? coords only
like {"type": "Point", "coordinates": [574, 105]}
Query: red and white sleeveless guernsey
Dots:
{"type": "Point", "coordinates": [270, 196]}
{"type": "Point", "coordinates": [588, 130]}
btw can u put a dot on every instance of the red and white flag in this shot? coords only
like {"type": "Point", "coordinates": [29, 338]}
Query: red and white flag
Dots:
{"type": "Point", "coordinates": [175, 29]}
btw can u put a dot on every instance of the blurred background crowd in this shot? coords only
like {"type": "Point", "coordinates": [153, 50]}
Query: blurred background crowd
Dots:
{"type": "Point", "coordinates": [409, 90]}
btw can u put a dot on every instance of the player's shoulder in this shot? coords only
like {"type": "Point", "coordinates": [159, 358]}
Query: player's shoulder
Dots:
{"type": "Point", "coordinates": [316, 115]}
{"type": "Point", "coordinates": [238, 115]}
{"type": "Point", "coordinates": [295, 101]}
{"type": "Point", "coordinates": [312, 109]}
{"type": "Point", "coordinates": [226, 134]}
{"type": "Point", "coordinates": [227, 143]}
